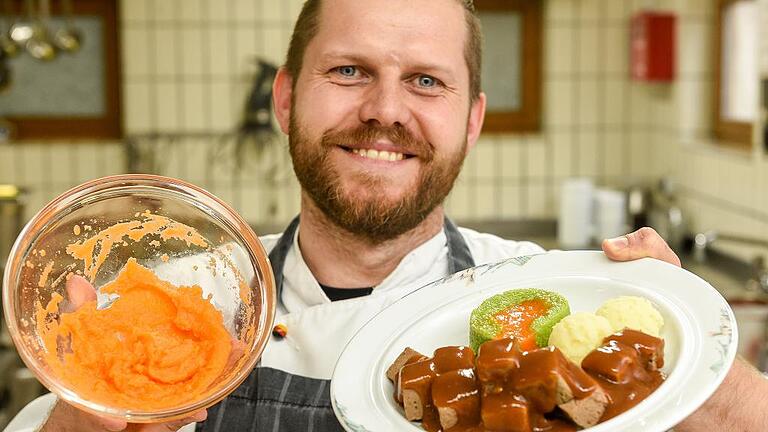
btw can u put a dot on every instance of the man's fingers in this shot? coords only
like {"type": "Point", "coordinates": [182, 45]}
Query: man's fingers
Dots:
{"type": "Point", "coordinates": [177, 424]}
{"type": "Point", "coordinates": [642, 243]}
{"type": "Point", "coordinates": [79, 291]}
{"type": "Point", "coordinates": [110, 424]}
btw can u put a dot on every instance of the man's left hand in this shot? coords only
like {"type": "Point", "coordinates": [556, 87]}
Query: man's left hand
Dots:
{"type": "Point", "coordinates": [645, 242]}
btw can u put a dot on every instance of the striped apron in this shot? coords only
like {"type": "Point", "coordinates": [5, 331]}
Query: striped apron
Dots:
{"type": "Point", "coordinates": [274, 400]}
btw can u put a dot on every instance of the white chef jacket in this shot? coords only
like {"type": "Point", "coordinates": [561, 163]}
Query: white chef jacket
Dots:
{"type": "Point", "coordinates": [318, 328]}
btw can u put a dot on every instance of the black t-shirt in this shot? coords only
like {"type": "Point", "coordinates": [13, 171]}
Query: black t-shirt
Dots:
{"type": "Point", "coordinates": [335, 294]}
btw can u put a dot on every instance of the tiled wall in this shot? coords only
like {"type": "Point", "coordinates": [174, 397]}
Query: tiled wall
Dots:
{"type": "Point", "coordinates": [721, 189]}
{"type": "Point", "coordinates": [188, 64]}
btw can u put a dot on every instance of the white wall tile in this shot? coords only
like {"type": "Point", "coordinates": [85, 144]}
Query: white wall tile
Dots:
{"type": "Point", "coordinates": [614, 101]}
{"type": "Point", "coordinates": [559, 108]}
{"type": "Point", "coordinates": [88, 163]}
{"type": "Point", "coordinates": [166, 59]}
{"type": "Point", "coordinates": [486, 204]}
{"type": "Point", "coordinates": [191, 10]}
{"type": "Point", "coordinates": [136, 114]}
{"type": "Point", "coordinates": [134, 50]}
{"type": "Point", "coordinates": [247, 50]}
{"type": "Point", "coordinates": [616, 46]}
{"type": "Point", "coordinates": [218, 11]}
{"type": "Point", "coordinates": [219, 49]}
{"type": "Point", "coordinates": [614, 146]}
{"type": "Point", "coordinates": [590, 10]}
{"type": "Point", "coordinates": [192, 48]}
{"type": "Point", "coordinates": [639, 147]}
{"type": "Point", "coordinates": [639, 104]}
{"type": "Point", "coordinates": [275, 45]}
{"type": "Point", "coordinates": [511, 201]}
{"type": "Point", "coordinates": [59, 155]}
{"type": "Point", "coordinates": [587, 152]}
{"type": "Point", "coordinates": [167, 107]}
{"type": "Point", "coordinates": [616, 10]}
{"type": "Point", "coordinates": [590, 92]}
{"type": "Point", "coordinates": [562, 154]}
{"type": "Point", "coordinates": [294, 8]}
{"type": "Point", "coordinates": [221, 106]}
{"type": "Point", "coordinates": [194, 101]}
{"type": "Point", "coordinates": [510, 157]}
{"type": "Point", "coordinates": [559, 10]}
{"type": "Point", "coordinates": [7, 164]}
{"type": "Point", "coordinates": [245, 10]}
{"type": "Point", "coordinates": [133, 10]}
{"type": "Point", "coordinates": [537, 166]}
{"type": "Point", "coordinates": [271, 10]}
{"type": "Point", "coordinates": [559, 50]}
{"type": "Point", "coordinates": [540, 202]}
{"type": "Point", "coordinates": [694, 100]}
{"type": "Point", "coordinates": [695, 47]}
{"type": "Point", "coordinates": [485, 158]}
{"type": "Point", "coordinates": [589, 49]}
{"type": "Point", "coordinates": [163, 10]}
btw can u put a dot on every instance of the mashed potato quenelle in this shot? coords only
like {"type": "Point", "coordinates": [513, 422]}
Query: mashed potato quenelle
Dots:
{"type": "Point", "coordinates": [578, 334]}
{"type": "Point", "coordinates": [154, 347]}
{"type": "Point", "coordinates": [636, 313]}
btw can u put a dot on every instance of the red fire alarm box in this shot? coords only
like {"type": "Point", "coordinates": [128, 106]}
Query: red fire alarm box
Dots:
{"type": "Point", "coordinates": [653, 46]}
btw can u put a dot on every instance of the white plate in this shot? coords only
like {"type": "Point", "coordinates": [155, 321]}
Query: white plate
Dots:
{"type": "Point", "coordinates": [699, 332]}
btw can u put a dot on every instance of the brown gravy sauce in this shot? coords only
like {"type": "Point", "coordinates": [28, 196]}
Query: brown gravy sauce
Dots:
{"type": "Point", "coordinates": [507, 389]}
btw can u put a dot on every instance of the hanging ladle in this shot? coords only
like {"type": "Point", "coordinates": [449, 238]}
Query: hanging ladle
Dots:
{"type": "Point", "coordinates": [68, 38]}
{"type": "Point", "coordinates": [8, 47]}
{"type": "Point", "coordinates": [38, 46]}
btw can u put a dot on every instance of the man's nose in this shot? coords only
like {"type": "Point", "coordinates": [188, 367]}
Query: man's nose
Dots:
{"type": "Point", "coordinates": [385, 104]}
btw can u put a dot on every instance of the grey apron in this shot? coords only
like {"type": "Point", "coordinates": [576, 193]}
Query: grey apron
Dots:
{"type": "Point", "coordinates": [273, 400]}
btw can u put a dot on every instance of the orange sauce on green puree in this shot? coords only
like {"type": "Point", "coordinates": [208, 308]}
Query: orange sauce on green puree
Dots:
{"type": "Point", "coordinates": [156, 346]}
{"type": "Point", "coordinates": [515, 322]}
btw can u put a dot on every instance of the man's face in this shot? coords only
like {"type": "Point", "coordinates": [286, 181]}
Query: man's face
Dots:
{"type": "Point", "coordinates": [378, 123]}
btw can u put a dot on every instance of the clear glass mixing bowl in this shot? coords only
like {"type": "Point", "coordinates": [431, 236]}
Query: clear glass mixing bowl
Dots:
{"type": "Point", "coordinates": [231, 266]}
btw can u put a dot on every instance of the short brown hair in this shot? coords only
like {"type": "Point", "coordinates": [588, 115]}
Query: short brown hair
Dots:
{"type": "Point", "coordinates": [309, 21]}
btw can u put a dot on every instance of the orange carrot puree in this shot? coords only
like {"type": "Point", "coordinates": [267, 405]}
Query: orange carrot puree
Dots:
{"type": "Point", "coordinates": [515, 322]}
{"type": "Point", "coordinates": [156, 346]}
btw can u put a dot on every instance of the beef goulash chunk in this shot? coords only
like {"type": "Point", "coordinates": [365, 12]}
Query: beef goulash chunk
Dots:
{"type": "Point", "coordinates": [518, 384]}
{"type": "Point", "coordinates": [414, 388]}
{"type": "Point", "coordinates": [649, 349]}
{"type": "Point", "coordinates": [408, 355]}
{"type": "Point", "coordinates": [506, 389]}
{"type": "Point", "coordinates": [456, 395]}
{"type": "Point", "coordinates": [627, 374]}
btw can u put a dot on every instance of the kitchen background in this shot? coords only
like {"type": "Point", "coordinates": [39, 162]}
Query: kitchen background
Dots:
{"type": "Point", "coordinates": [188, 66]}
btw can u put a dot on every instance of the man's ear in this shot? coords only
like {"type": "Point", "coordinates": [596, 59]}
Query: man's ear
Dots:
{"type": "Point", "coordinates": [282, 90]}
{"type": "Point", "coordinates": [475, 122]}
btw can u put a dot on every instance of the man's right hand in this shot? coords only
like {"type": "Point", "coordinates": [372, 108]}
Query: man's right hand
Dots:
{"type": "Point", "coordinates": [65, 418]}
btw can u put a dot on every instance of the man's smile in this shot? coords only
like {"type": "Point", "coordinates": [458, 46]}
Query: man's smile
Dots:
{"type": "Point", "coordinates": [382, 155]}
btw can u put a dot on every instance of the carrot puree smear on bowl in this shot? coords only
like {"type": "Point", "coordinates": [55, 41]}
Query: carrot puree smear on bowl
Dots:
{"type": "Point", "coordinates": [154, 347]}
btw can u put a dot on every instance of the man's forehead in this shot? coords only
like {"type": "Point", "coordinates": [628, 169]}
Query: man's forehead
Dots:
{"type": "Point", "coordinates": [424, 27]}
{"type": "Point", "coordinates": [436, 19]}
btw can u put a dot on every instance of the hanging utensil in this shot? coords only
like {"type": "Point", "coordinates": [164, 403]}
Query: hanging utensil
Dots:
{"type": "Point", "coordinates": [7, 46]}
{"type": "Point", "coordinates": [69, 37]}
{"type": "Point", "coordinates": [39, 46]}
{"type": "Point", "coordinates": [22, 30]}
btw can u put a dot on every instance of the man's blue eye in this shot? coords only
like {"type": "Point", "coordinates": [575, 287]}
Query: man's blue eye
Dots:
{"type": "Point", "coordinates": [348, 71]}
{"type": "Point", "coordinates": [427, 81]}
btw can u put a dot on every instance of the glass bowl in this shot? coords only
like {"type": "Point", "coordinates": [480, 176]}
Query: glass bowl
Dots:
{"type": "Point", "coordinates": [183, 234]}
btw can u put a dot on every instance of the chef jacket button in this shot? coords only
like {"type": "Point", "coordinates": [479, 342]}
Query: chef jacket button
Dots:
{"type": "Point", "coordinates": [280, 331]}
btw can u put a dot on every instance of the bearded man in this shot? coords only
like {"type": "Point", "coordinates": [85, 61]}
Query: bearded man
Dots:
{"type": "Point", "coordinates": [381, 101]}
